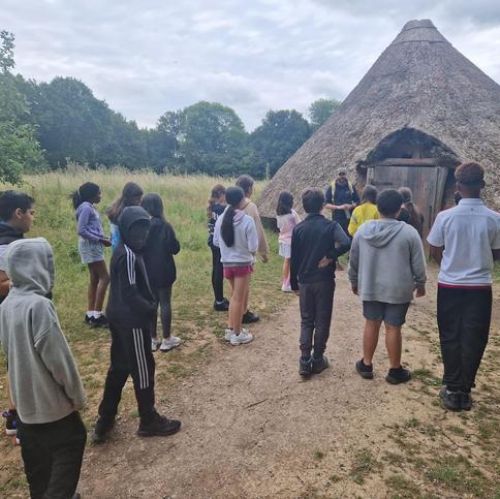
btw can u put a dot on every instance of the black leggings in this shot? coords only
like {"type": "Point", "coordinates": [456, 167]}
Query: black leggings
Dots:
{"type": "Point", "coordinates": [164, 300]}
{"type": "Point", "coordinates": [217, 274]}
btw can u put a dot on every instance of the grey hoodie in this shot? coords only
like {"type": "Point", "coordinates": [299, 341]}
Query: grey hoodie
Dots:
{"type": "Point", "coordinates": [387, 261]}
{"type": "Point", "coordinates": [44, 381]}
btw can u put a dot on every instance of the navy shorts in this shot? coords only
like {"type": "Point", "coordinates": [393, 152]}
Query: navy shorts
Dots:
{"type": "Point", "coordinates": [393, 314]}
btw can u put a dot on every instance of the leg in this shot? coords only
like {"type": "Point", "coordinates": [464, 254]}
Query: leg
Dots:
{"type": "Point", "coordinates": [393, 343]}
{"type": "Point", "coordinates": [370, 340]}
{"type": "Point", "coordinates": [165, 296]}
{"type": "Point", "coordinates": [154, 322]}
{"type": "Point", "coordinates": [285, 274]}
{"type": "Point", "coordinates": [101, 272]}
{"type": "Point", "coordinates": [323, 292]}
{"type": "Point", "coordinates": [92, 289]}
{"type": "Point", "coordinates": [307, 319]}
{"type": "Point", "coordinates": [450, 306]}
{"type": "Point", "coordinates": [217, 275]}
{"type": "Point", "coordinates": [230, 323]}
{"type": "Point", "coordinates": [237, 303]}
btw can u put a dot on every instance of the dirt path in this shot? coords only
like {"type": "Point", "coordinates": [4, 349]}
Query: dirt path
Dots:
{"type": "Point", "coordinates": [253, 428]}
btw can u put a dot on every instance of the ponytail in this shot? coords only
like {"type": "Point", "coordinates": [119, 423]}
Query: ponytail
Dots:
{"type": "Point", "coordinates": [234, 196]}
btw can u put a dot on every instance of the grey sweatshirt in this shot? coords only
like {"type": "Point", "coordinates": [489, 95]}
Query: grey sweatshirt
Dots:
{"type": "Point", "coordinates": [44, 380]}
{"type": "Point", "coordinates": [387, 261]}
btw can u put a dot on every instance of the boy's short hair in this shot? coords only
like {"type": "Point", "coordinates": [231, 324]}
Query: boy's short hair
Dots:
{"type": "Point", "coordinates": [470, 174]}
{"type": "Point", "coordinates": [313, 200]}
{"type": "Point", "coordinates": [10, 201]}
{"type": "Point", "coordinates": [369, 194]}
{"type": "Point", "coordinates": [389, 202]}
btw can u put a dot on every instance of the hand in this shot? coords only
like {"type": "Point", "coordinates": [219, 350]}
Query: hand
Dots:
{"type": "Point", "coordinates": [420, 291]}
{"type": "Point", "coordinates": [106, 242]}
{"type": "Point", "coordinates": [264, 257]}
{"type": "Point", "coordinates": [324, 262]}
{"type": "Point", "coordinates": [354, 289]}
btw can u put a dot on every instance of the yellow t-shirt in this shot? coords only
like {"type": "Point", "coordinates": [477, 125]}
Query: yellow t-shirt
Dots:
{"type": "Point", "coordinates": [360, 215]}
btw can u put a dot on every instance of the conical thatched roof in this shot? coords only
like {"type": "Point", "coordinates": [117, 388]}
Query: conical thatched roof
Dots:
{"type": "Point", "coordinates": [419, 82]}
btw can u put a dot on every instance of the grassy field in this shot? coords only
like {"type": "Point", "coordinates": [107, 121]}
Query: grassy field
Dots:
{"type": "Point", "coordinates": [185, 200]}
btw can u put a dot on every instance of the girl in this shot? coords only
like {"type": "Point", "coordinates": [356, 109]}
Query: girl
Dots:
{"type": "Point", "coordinates": [409, 212]}
{"type": "Point", "coordinates": [216, 207]}
{"type": "Point", "coordinates": [287, 219]}
{"type": "Point", "coordinates": [131, 196]}
{"type": "Point", "coordinates": [236, 236]}
{"type": "Point", "coordinates": [160, 247]}
{"type": "Point", "coordinates": [91, 248]}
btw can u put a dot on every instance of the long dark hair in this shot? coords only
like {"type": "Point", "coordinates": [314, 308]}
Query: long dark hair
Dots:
{"type": "Point", "coordinates": [131, 191]}
{"type": "Point", "coordinates": [285, 203]}
{"type": "Point", "coordinates": [217, 191]}
{"type": "Point", "coordinates": [234, 196]}
{"type": "Point", "coordinates": [153, 204]}
{"type": "Point", "coordinates": [86, 192]}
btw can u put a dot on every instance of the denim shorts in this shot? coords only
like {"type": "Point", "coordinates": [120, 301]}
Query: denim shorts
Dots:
{"type": "Point", "coordinates": [393, 314]}
{"type": "Point", "coordinates": [90, 251]}
{"type": "Point", "coordinates": [285, 250]}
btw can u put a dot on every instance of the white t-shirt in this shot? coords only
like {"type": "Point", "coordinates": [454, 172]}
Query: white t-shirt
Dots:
{"type": "Point", "coordinates": [469, 232]}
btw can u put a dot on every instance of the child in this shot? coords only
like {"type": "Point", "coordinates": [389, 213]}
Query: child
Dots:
{"type": "Point", "coordinates": [246, 183]}
{"type": "Point", "coordinates": [91, 248]}
{"type": "Point", "coordinates": [216, 207]}
{"type": "Point", "coordinates": [131, 196]}
{"type": "Point", "coordinates": [386, 265]}
{"type": "Point", "coordinates": [236, 236]}
{"type": "Point", "coordinates": [16, 217]}
{"type": "Point", "coordinates": [410, 214]}
{"type": "Point", "coordinates": [44, 379]}
{"type": "Point", "coordinates": [366, 211]}
{"type": "Point", "coordinates": [316, 244]}
{"type": "Point", "coordinates": [287, 219]}
{"type": "Point", "coordinates": [130, 311]}
{"type": "Point", "coordinates": [465, 241]}
{"type": "Point", "coordinates": [160, 266]}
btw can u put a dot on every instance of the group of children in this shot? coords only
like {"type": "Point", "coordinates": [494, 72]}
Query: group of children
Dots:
{"type": "Point", "coordinates": [386, 269]}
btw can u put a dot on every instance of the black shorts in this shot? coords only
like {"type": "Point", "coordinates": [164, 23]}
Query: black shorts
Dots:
{"type": "Point", "coordinates": [393, 314]}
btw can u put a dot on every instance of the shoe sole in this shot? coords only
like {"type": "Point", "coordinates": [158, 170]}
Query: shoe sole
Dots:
{"type": "Point", "coordinates": [246, 321]}
{"type": "Point", "coordinates": [241, 342]}
{"type": "Point", "coordinates": [364, 375]}
{"type": "Point", "coordinates": [10, 433]}
{"type": "Point", "coordinates": [146, 434]}
{"type": "Point", "coordinates": [165, 350]}
{"type": "Point", "coordinates": [448, 408]}
{"type": "Point", "coordinates": [395, 381]}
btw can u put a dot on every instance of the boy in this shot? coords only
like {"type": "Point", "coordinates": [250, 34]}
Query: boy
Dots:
{"type": "Point", "coordinates": [386, 265]}
{"type": "Point", "coordinates": [16, 217]}
{"type": "Point", "coordinates": [465, 241]}
{"type": "Point", "coordinates": [130, 312]}
{"type": "Point", "coordinates": [44, 380]}
{"type": "Point", "coordinates": [316, 244]}
{"type": "Point", "coordinates": [366, 211]}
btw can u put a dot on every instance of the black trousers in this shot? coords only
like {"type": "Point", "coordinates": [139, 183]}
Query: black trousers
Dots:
{"type": "Point", "coordinates": [164, 301]}
{"type": "Point", "coordinates": [464, 323]}
{"type": "Point", "coordinates": [316, 304]}
{"type": "Point", "coordinates": [217, 274]}
{"type": "Point", "coordinates": [52, 454]}
{"type": "Point", "coordinates": [130, 355]}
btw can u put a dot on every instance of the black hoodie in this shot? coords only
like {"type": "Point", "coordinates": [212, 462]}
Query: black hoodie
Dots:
{"type": "Point", "coordinates": [131, 302]}
{"type": "Point", "coordinates": [7, 235]}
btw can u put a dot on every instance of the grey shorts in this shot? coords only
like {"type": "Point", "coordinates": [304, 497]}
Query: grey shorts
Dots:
{"type": "Point", "coordinates": [393, 314]}
{"type": "Point", "coordinates": [90, 251]}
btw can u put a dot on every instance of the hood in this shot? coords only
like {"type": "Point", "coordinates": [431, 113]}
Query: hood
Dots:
{"type": "Point", "coordinates": [130, 216]}
{"type": "Point", "coordinates": [380, 233]}
{"type": "Point", "coordinates": [238, 217]}
{"type": "Point", "coordinates": [30, 265]}
{"type": "Point", "coordinates": [9, 234]}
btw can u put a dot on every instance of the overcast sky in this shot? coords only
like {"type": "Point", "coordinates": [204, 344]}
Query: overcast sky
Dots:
{"type": "Point", "coordinates": [146, 57]}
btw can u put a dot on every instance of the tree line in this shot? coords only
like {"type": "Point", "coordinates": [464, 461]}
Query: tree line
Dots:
{"type": "Point", "coordinates": [48, 125]}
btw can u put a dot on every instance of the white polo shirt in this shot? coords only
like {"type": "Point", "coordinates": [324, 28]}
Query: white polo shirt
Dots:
{"type": "Point", "coordinates": [469, 232]}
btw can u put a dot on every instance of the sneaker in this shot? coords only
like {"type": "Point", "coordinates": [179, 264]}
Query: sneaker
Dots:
{"type": "Point", "coordinates": [223, 306]}
{"type": "Point", "coordinates": [10, 422]}
{"type": "Point", "coordinates": [242, 338]}
{"type": "Point", "coordinates": [88, 319]}
{"type": "Point", "coordinates": [286, 288]}
{"type": "Point", "coordinates": [451, 400]}
{"type": "Point", "coordinates": [102, 429]}
{"type": "Point", "coordinates": [169, 343]}
{"type": "Point", "coordinates": [249, 317]}
{"type": "Point", "coordinates": [395, 376]}
{"type": "Point", "coordinates": [366, 372]}
{"type": "Point", "coordinates": [227, 334]}
{"type": "Point", "coordinates": [305, 367]}
{"type": "Point", "coordinates": [159, 426]}
{"type": "Point", "coordinates": [155, 344]}
{"type": "Point", "coordinates": [466, 401]}
{"type": "Point", "coordinates": [101, 321]}
{"type": "Point", "coordinates": [319, 365]}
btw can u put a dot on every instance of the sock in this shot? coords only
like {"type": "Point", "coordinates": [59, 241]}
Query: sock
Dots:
{"type": "Point", "coordinates": [97, 314]}
{"type": "Point", "coordinates": [89, 313]}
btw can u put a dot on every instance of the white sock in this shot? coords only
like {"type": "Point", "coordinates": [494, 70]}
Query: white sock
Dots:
{"type": "Point", "coordinates": [97, 314]}
{"type": "Point", "coordinates": [90, 313]}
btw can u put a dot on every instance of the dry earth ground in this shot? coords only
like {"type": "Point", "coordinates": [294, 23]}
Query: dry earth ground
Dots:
{"type": "Point", "coordinates": [253, 428]}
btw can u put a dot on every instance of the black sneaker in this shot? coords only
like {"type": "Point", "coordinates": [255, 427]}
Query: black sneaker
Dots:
{"type": "Point", "coordinates": [366, 372]}
{"type": "Point", "coordinates": [451, 400]}
{"type": "Point", "coordinates": [249, 317]}
{"type": "Point", "coordinates": [10, 422]}
{"type": "Point", "coordinates": [159, 426]}
{"type": "Point", "coordinates": [319, 365]}
{"type": "Point", "coordinates": [466, 401]}
{"type": "Point", "coordinates": [305, 367]}
{"type": "Point", "coordinates": [102, 429]}
{"type": "Point", "coordinates": [101, 321]}
{"type": "Point", "coordinates": [223, 306]}
{"type": "Point", "coordinates": [395, 376]}
{"type": "Point", "coordinates": [88, 319]}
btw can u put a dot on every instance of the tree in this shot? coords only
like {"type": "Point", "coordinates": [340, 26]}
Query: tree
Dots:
{"type": "Point", "coordinates": [320, 110]}
{"type": "Point", "coordinates": [279, 136]}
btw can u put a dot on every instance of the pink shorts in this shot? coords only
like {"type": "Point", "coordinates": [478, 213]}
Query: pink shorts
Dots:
{"type": "Point", "coordinates": [240, 271]}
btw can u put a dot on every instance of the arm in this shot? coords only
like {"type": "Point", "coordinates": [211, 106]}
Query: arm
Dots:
{"type": "Point", "coordinates": [4, 284]}
{"type": "Point", "coordinates": [294, 261]}
{"type": "Point", "coordinates": [417, 262]}
{"type": "Point", "coordinates": [263, 249]}
{"type": "Point", "coordinates": [329, 199]}
{"type": "Point", "coordinates": [353, 223]}
{"type": "Point", "coordinates": [217, 236]}
{"type": "Point", "coordinates": [436, 253]}
{"type": "Point", "coordinates": [83, 221]}
{"type": "Point", "coordinates": [252, 236]}
{"type": "Point", "coordinates": [341, 243]}
{"type": "Point", "coordinates": [436, 240]}
{"type": "Point", "coordinates": [173, 245]}
{"type": "Point", "coordinates": [352, 272]}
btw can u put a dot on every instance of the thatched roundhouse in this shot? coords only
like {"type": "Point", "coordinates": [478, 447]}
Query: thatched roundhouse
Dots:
{"type": "Point", "coordinates": [420, 110]}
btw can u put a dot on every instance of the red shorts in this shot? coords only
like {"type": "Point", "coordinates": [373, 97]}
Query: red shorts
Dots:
{"type": "Point", "coordinates": [240, 271]}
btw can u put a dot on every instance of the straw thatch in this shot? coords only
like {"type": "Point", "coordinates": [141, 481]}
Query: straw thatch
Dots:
{"type": "Point", "coordinates": [420, 83]}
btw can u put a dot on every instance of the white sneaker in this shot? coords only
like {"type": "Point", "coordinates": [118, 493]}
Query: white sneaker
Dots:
{"type": "Point", "coordinates": [286, 288]}
{"type": "Point", "coordinates": [227, 334]}
{"type": "Point", "coordinates": [242, 338]}
{"type": "Point", "coordinates": [154, 345]}
{"type": "Point", "coordinates": [169, 343]}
